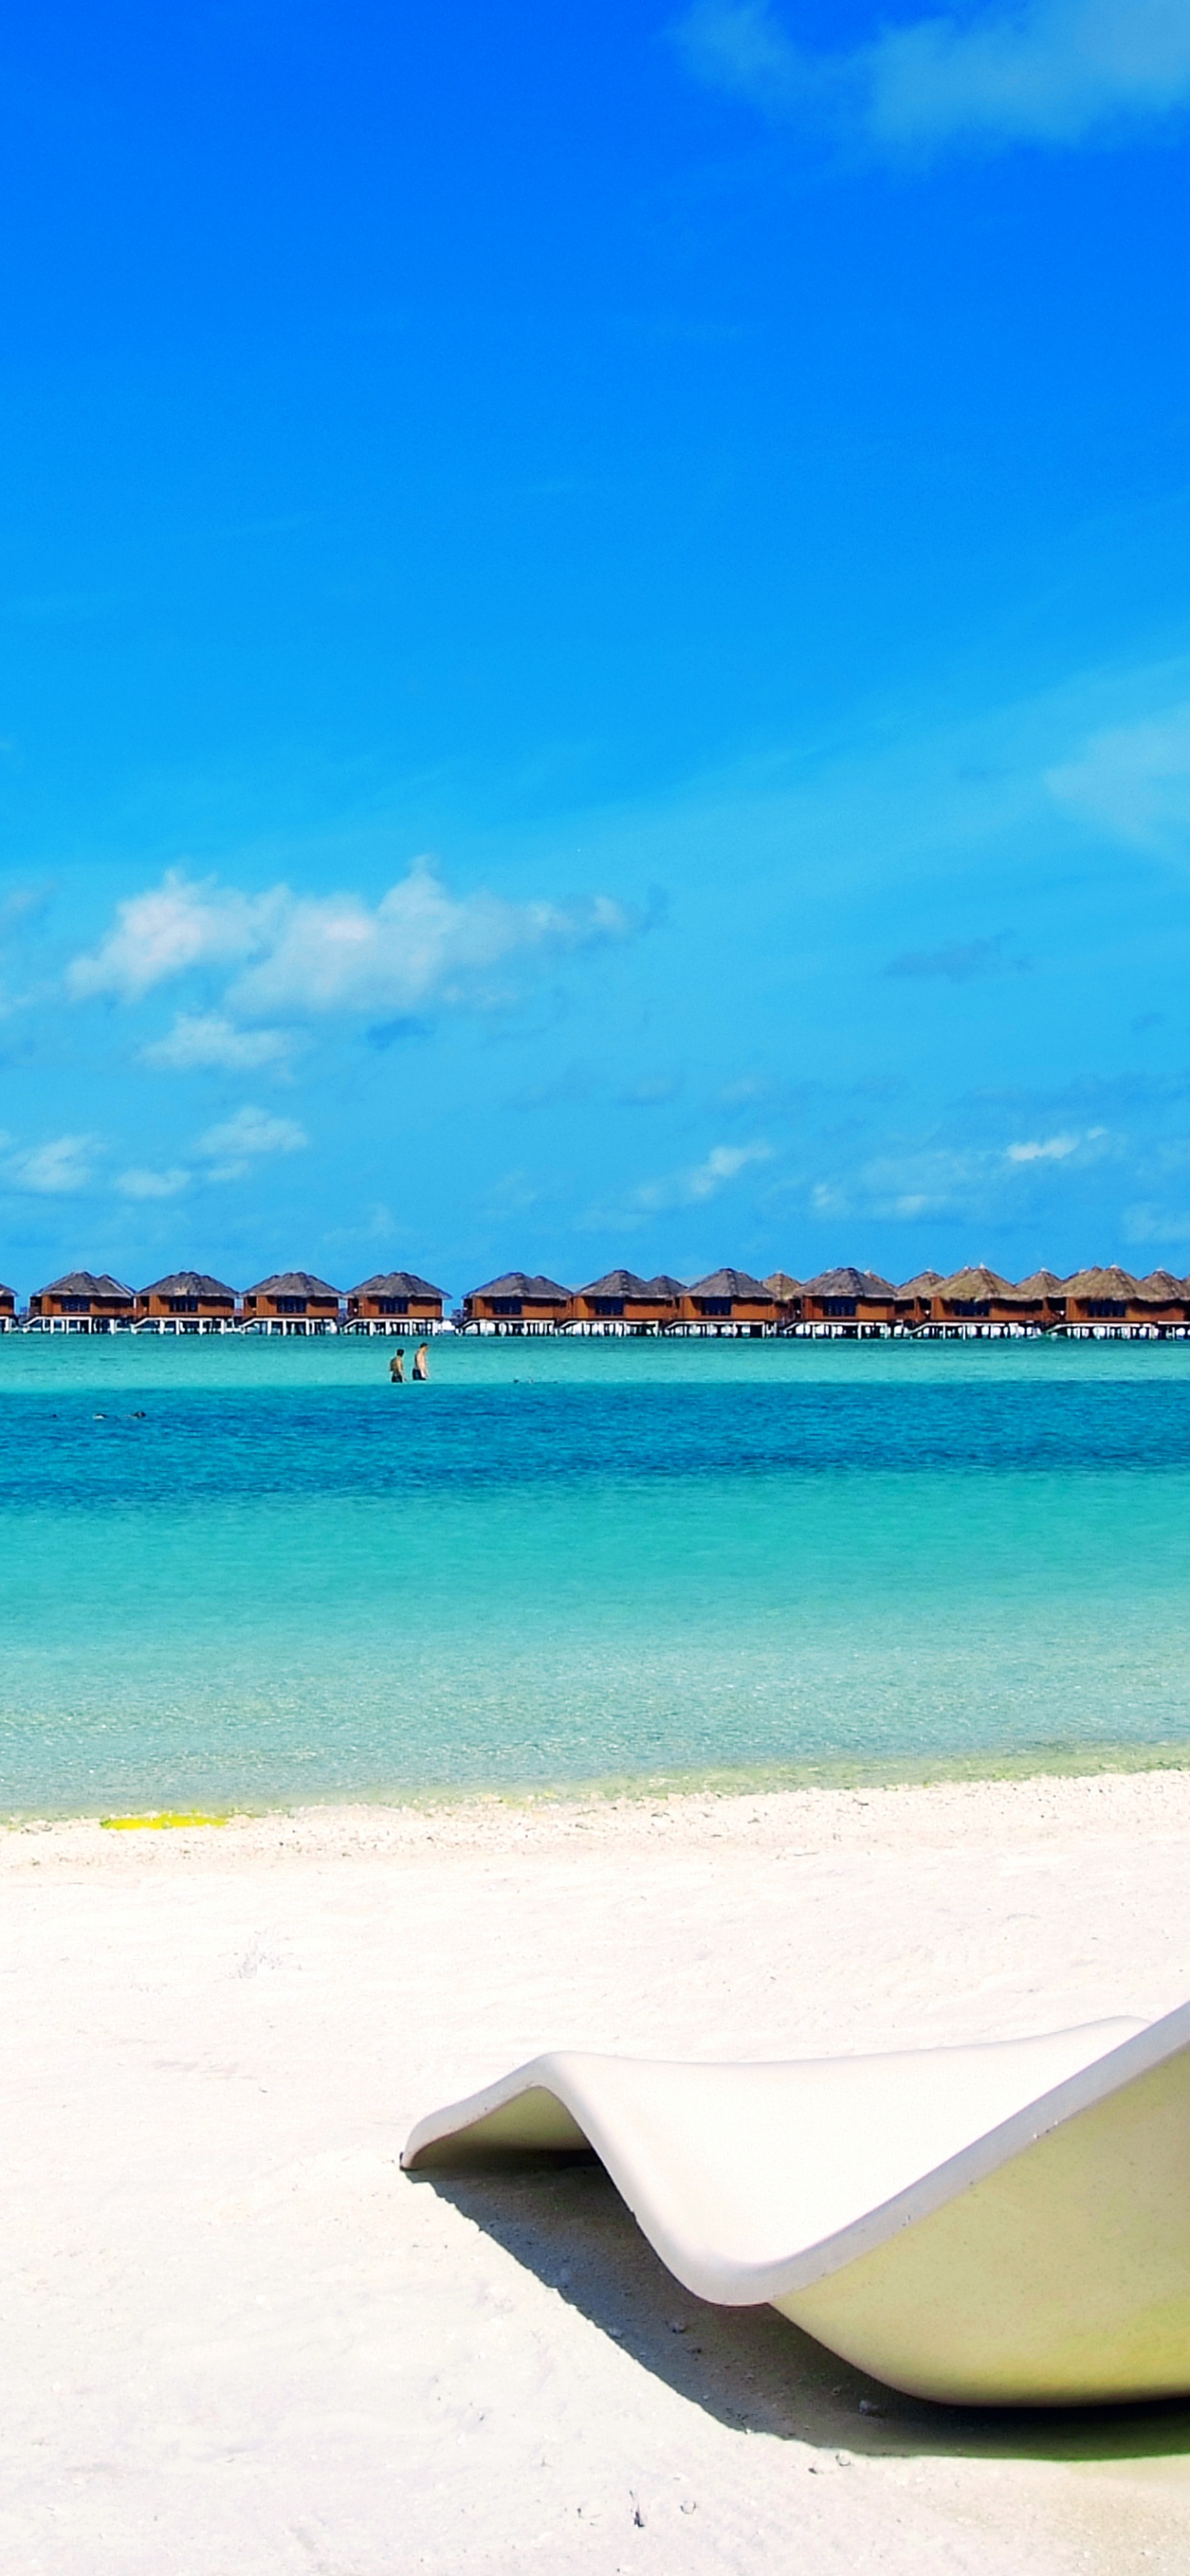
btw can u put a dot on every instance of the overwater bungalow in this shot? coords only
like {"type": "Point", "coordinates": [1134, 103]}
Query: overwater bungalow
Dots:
{"type": "Point", "coordinates": [788, 1293]}
{"type": "Point", "coordinates": [395, 1301]}
{"type": "Point", "coordinates": [292, 1301]}
{"type": "Point", "coordinates": [84, 1301]}
{"type": "Point", "coordinates": [8, 1310]}
{"type": "Point", "coordinates": [1165, 1296]}
{"type": "Point", "coordinates": [1047, 1296]}
{"type": "Point", "coordinates": [913, 1299]}
{"type": "Point", "coordinates": [852, 1301]}
{"type": "Point", "coordinates": [186, 1301]}
{"type": "Point", "coordinates": [621, 1302]}
{"type": "Point", "coordinates": [979, 1301]}
{"type": "Point", "coordinates": [727, 1302]}
{"type": "Point", "coordinates": [518, 1303]}
{"type": "Point", "coordinates": [1111, 1302]}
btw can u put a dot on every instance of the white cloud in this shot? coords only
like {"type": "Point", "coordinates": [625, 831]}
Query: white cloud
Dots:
{"type": "Point", "coordinates": [1054, 1149]}
{"type": "Point", "coordinates": [909, 1185]}
{"type": "Point", "coordinates": [57, 1169]}
{"type": "Point", "coordinates": [704, 1180]}
{"type": "Point", "coordinates": [1134, 781]}
{"type": "Point", "coordinates": [1047, 71]}
{"type": "Point", "coordinates": [724, 1163]}
{"type": "Point", "coordinates": [171, 928]}
{"type": "Point", "coordinates": [199, 1040]}
{"type": "Point", "coordinates": [237, 1142]}
{"type": "Point", "coordinates": [418, 944]}
{"type": "Point", "coordinates": [142, 1183]}
{"type": "Point", "coordinates": [937, 1179]}
{"type": "Point", "coordinates": [305, 955]}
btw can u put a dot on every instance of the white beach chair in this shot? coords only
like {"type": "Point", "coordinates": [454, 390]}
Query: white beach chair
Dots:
{"type": "Point", "coordinates": [1005, 2224]}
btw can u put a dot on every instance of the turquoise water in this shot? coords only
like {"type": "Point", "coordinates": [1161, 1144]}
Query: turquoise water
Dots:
{"type": "Point", "coordinates": [568, 1562]}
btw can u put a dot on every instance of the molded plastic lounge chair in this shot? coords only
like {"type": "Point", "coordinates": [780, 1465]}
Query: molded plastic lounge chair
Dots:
{"type": "Point", "coordinates": [1005, 2224]}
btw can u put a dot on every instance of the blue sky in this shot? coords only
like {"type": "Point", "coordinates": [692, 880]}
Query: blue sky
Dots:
{"type": "Point", "coordinates": [595, 611]}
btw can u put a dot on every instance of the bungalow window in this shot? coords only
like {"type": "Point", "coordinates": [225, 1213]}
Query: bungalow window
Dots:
{"type": "Point", "coordinates": [714, 1305]}
{"type": "Point", "coordinates": [290, 1305]}
{"type": "Point", "coordinates": [1106, 1306]}
{"type": "Point", "coordinates": [607, 1305]}
{"type": "Point", "coordinates": [392, 1305]}
{"type": "Point", "coordinates": [183, 1305]}
{"type": "Point", "coordinates": [74, 1305]}
{"type": "Point", "coordinates": [968, 1306]}
{"type": "Point", "coordinates": [838, 1306]}
{"type": "Point", "coordinates": [505, 1305]}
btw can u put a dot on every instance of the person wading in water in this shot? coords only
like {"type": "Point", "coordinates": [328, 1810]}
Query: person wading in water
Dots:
{"type": "Point", "coordinates": [421, 1360]}
{"type": "Point", "coordinates": [396, 1367]}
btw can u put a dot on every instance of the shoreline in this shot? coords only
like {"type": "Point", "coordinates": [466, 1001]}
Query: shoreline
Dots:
{"type": "Point", "coordinates": [745, 1781]}
{"type": "Point", "coordinates": [863, 1815]}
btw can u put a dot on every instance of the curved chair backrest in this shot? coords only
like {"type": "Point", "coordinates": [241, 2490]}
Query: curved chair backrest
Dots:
{"type": "Point", "coordinates": [1006, 2223]}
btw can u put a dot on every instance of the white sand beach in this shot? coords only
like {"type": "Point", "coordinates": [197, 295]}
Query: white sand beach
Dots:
{"type": "Point", "coordinates": [237, 2338]}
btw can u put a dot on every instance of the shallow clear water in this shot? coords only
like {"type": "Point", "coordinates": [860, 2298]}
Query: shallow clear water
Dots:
{"type": "Point", "coordinates": [576, 1561]}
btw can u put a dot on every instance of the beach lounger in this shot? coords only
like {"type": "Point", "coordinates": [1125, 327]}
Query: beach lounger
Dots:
{"type": "Point", "coordinates": [1005, 2224]}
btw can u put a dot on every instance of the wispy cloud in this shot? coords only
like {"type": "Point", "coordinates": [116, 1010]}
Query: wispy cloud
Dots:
{"type": "Point", "coordinates": [653, 1091]}
{"type": "Point", "coordinates": [961, 961]}
{"type": "Point", "coordinates": [140, 1182]}
{"type": "Point", "coordinates": [419, 943]}
{"type": "Point", "coordinates": [704, 1180]}
{"type": "Point", "coordinates": [236, 1143]}
{"type": "Point", "coordinates": [20, 909]}
{"type": "Point", "coordinates": [1048, 1149]}
{"type": "Point", "coordinates": [983, 1181]}
{"type": "Point", "coordinates": [201, 1041]}
{"type": "Point", "coordinates": [513, 1194]}
{"type": "Point", "coordinates": [58, 1169]}
{"type": "Point", "coordinates": [1147, 1223]}
{"type": "Point", "coordinates": [168, 930]}
{"type": "Point", "coordinates": [1045, 71]}
{"type": "Point", "coordinates": [1133, 781]}
{"type": "Point", "coordinates": [303, 956]}
{"type": "Point", "coordinates": [930, 1182]}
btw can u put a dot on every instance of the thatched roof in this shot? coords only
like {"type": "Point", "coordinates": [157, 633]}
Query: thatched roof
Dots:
{"type": "Point", "coordinates": [782, 1285]}
{"type": "Point", "coordinates": [517, 1283]}
{"type": "Point", "coordinates": [627, 1283]}
{"type": "Point", "coordinates": [1112, 1282]}
{"type": "Point", "coordinates": [922, 1284]}
{"type": "Point", "coordinates": [292, 1283]}
{"type": "Point", "coordinates": [734, 1283]}
{"type": "Point", "coordinates": [620, 1283]}
{"type": "Point", "coordinates": [1042, 1283]}
{"type": "Point", "coordinates": [976, 1284]}
{"type": "Point", "coordinates": [398, 1283]}
{"type": "Point", "coordinates": [188, 1283]}
{"type": "Point", "coordinates": [1162, 1287]}
{"type": "Point", "coordinates": [86, 1283]}
{"type": "Point", "coordinates": [850, 1283]}
{"type": "Point", "coordinates": [7, 1292]}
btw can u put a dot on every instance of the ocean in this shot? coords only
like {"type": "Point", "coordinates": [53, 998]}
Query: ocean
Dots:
{"type": "Point", "coordinates": [244, 1573]}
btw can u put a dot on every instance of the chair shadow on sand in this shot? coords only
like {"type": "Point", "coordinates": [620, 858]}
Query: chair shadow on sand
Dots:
{"type": "Point", "coordinates": [563, 2219]}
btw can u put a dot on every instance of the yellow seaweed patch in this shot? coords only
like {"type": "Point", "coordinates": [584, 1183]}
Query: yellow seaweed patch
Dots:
{"type": "Point", "coordinates": [154, 1824]}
